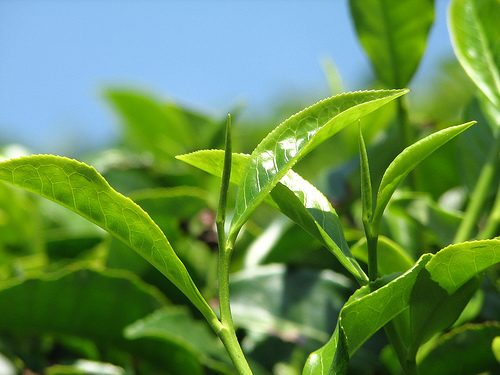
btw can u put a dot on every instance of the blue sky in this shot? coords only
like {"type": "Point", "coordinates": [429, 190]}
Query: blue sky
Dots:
{"type": "Point", "coordinates": [57, 56]}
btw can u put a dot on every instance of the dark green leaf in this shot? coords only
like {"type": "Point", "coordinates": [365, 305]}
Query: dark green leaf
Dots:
{"type": "Point", "coordinates": [393, 34]}
{"type": "Point", "coordinates": [95, 305]}
{"type": "Point", "coordinates": [466, 350]}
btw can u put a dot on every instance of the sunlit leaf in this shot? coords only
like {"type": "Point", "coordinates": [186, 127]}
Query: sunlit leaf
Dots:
{"type": "Point", "coordinates": [296, 198]}
{"type": "Point", "coordinates": [293, 139]}
{"type": "Point", "coordinates": [474, 33]}
{"type": "Point", "coordinates": [408, 159]}
{"type": "Point", "coordinates": [393, 34]}
{"type": "Point", "coordinates": [83, 190]}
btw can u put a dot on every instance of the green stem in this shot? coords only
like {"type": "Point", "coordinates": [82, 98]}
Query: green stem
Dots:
{"type": "Point", "coordinates": [371, 242]}
{"type": "Point", "coordinates": [226, 331]}
{"type": "Point", "coordinates": [409, 366]}
{"type": "Point", "coordinates": [490, 230]}
{"type": "Point", "coordinates": [480, 193]}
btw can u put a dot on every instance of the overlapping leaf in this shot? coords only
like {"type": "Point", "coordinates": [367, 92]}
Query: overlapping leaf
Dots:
{"type": "Point", "coordinates": [394, 34]}
{"type": "Point", "coordinates": [83, 190]}
{"type": "Point", "coordinates": [363, 315]}
{"type": "Point", "coordinates": [92, 305]}
{"type": "Point", "coordinates": [449, 270]}
{"type": "Point", "coordinates": [293, 139]}
{"type": "Point", "coordinates": [296, 198]}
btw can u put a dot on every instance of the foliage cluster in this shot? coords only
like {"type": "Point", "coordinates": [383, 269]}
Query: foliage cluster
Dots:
{"type": "Point", "coordinates": [388, 265]}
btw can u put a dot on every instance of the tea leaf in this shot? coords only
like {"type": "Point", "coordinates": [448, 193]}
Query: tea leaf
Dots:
{"type": "Point", "coordinates": [408, 159]}
{"type": "Point", "coordinates": [474, 33]}
{"type": "Point", "coordinates": [444, 288]}
{"type": "Point", "coordinates": [454, 265]}
{"type": "Point", "coordinates": [83, 190]}
{"type": "Point", "coordinates": [363, 315]}
{"type": "Point", "coordinates": [293, 139]}
{"type": "Point", "coordinates": [91, 305]}
{"type": "Point", "coordinates": [393, 34]}
{"type": "Point", "coordinates": [294, 197]}
{"type": "Point", "coordinates": [464, 350]}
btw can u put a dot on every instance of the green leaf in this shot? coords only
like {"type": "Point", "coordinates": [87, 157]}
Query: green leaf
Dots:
{"type": "Point", "coordinates": [432, 309]}
{"type": "Point", "coordinates": [393, 34]}
{"type": "Point", "coordinates": [474, 33]}
{"type": "Point", "coordinates": [296, 305]}
{"type": "Point", "coordinates": [444, 288]}
{"type": "Point", "coordinates": [296, 198]}
{"type": "Point", "coordinates": [92, 305]}
{"type": "Point", "coordinates": [83, 190]}
{"type": "Point", "coordinates": [454, 265]}
{"type": "Point", "coordinates": [176, 325]}
{"type": "Point", "coordinates": [366, 182]}
{"type": "Point", "coordinates": [408, 159]}
{"type": "Point", "coordinates": [465, 350]}
{"type": "Point", "coordinates": [149, 124]}
{"type": "Point", "coordinates": [363, 315]}
{"type": "Point", "coordinates": [296, 137]}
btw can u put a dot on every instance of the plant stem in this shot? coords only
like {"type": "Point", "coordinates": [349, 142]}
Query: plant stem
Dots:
{"type": "Point", "coordinates": [490, 230]}
{"type": "Point", "coordinates": [480, 192]}
{"type": "Point", "coordinates": [226, 331]}
{"type": "Point", "coordinates": [371, 242]}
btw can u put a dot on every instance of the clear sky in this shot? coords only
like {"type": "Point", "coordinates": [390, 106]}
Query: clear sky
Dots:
{"type": "Point", "coordinates": [56, 56]}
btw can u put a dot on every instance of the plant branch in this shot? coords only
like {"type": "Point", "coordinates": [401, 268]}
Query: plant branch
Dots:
{"type": "Point", "coordinates": [227, 332]}
{"type": "Point", "coordinates": [480, 193]}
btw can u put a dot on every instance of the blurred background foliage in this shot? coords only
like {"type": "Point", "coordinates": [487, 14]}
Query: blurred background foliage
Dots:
{"type": "Point", "coordinates": [73, 300]}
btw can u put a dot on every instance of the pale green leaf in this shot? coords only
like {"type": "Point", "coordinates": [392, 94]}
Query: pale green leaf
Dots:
{"type": "Point", "coordinates": [475, 31]}
{"type": "Point", "coordinates": [296, 137]}
{"type": "Point", "coordinates": [296, 198]}
{"type": "Point", "coordinates": [83, 190]}
{"type": "Point", "coordinates": [407, 160]}
{"type": "Point", "coordinates": [393, 34]}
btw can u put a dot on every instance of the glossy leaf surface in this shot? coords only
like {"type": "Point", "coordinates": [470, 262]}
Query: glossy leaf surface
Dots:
{"type": "Point", "coordinates": [393, 34]}
{"type": "Point", "coordinates": [296, 198]}
{"type": "Point", "coordinates": [83, 190]}
{"type": "Point", "coordinates": [407, 160]}
{"type": "Point", "coordinates": [293, 139]}
{"type": "Point", "coordinates": [474, 33]}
